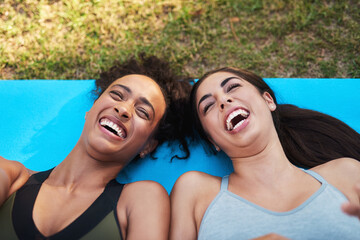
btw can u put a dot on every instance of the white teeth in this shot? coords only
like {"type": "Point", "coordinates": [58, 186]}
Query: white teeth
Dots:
{"type": "Point", "coordinates": [114, 126]}
{"type": "Point", "coordinates": [242, 112]}
{"type": "Point", "coordinates": [239, 123]}
{"type": "Point", "coordinates": [229, 125]}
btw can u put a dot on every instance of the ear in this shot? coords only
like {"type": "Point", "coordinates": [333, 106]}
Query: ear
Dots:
{"type": "Point", "coordinates": [269, 101]}
{"type": "Point", "coordinates": [218, 149]}
{"type": "Point", "coordinates": [149, 147]}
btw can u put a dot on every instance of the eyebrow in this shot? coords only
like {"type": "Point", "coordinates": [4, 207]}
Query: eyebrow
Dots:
{"type": "Point", "coordinates": [203, 98]}
{"type": "Point", "coordinates": [226, 80]}
{"type": "Point", "coordinates": [146, 102]}
{"type": "Point", "coordinates": [123, 87]}
{"type": "Point", "coordinates": [222, 84]}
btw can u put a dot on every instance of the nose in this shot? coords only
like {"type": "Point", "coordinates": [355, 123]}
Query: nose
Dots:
{"type": "Point", "coordinates": [123, 112]}
{"type": "Point", "coordinates": [224, 101]}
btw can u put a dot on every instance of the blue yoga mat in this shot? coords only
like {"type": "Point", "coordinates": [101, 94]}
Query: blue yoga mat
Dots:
{"type": "Point", "coordinates": [41, 121]}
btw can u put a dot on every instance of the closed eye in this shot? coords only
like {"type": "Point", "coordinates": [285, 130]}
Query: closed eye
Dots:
{"type": "Point", "coordinates": [116, 95]}
{"type": "Point", "coordinates": [232, 86]}
{"type": "Point", "coordinates": [206, 108]}
{"type": "Point", "coordinates": [143, 113]}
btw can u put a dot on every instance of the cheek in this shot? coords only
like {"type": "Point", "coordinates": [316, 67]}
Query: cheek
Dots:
{"type": "Point", "coordinates": [89, 116]}
{"type": "Point", "coordinates": [144, 130]}
{"type": "Point", "coordinates": [210, 126]}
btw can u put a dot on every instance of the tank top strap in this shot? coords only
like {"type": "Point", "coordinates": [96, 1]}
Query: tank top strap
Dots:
{"type": "Point", "coordinates": [224, 183]}
{"type": "Point", "coordinates": [316, 176]}
{"type": "Point", "coordinates": [38, 178]}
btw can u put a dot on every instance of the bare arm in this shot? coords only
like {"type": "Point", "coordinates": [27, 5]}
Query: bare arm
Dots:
{"type": "Point", "coordinates": [344, 174]}
{"type": "Point", "coordinates": [147, 210]}
{"type": "Point", "coordinates": [4, 186]}
{"type": "Point", "coordinates": [192, 194]}
{"type": "Point", "coordinates": [12, 176]}
{"type": "Point", "coordinates": [183, 224]}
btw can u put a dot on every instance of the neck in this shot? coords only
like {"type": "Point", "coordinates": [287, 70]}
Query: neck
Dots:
{"type": "Point", "coordinates": [267, 166]}
{"type": "Point", "coordinates": [81, 170]}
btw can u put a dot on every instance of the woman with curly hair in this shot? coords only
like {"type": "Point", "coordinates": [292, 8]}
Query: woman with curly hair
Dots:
{"type": "Point", "coordinates": [79, 198]}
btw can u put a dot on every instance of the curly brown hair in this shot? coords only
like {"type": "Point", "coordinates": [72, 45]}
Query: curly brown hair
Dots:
{"type": "Point", "coordinates": [175, 88]}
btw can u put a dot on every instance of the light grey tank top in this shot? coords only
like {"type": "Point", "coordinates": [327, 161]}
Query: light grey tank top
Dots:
{"type": "Point", "coordinates": [230, 216]}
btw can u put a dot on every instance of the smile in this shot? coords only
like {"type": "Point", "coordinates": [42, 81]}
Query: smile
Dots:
{"type": "Point", "coordinates": [113, 127]}
{"type": "Point", "coordinates": [236, 119]}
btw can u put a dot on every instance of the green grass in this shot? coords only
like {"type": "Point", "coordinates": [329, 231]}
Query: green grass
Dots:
{"type": "Point", "coordinates": [77, 39]}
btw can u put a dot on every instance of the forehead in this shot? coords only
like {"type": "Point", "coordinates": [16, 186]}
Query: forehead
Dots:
{"type": "Point", "coordinates": [213, 82]}
{"type": "Point", "coordinates": [142, 86]}
{"type": "Point", "coordinates": [136, 80]}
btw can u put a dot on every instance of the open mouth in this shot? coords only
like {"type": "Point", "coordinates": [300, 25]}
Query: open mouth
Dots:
{"type": "Point", "coordinates": [113, 127]}
{"type": "Point", "coordinates": [236, 119]}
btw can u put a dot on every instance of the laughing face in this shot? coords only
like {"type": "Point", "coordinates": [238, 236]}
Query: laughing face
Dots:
{"type": "Point", "coordinates": [234, 114]}
{"type": "Point", "coordinates": [122, 120]}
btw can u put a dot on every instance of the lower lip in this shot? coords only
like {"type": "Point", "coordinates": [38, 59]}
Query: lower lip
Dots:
{"type": "Point", "coordinates": [110, 134]}
{"type": "Point", "coordinates": [241, 127]}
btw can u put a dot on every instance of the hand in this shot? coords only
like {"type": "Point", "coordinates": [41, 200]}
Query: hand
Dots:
{"type": "Point", "coordinates": [351, 208]}
{"type": "Point", "coordinates": [271, 236]}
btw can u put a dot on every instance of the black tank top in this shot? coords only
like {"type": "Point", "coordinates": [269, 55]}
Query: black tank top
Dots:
{"type": "Point", "coordinates": [99, 221]}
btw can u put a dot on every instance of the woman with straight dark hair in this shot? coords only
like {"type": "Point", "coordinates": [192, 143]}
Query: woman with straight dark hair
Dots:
{"type": "Point", "coordinates": [235, 111]}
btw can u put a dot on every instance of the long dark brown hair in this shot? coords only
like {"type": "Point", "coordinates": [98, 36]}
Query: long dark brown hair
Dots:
{"type": "Point", "coordinates": [309, 138]}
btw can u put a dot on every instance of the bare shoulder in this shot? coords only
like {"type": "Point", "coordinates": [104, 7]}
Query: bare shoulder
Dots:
{"type": "Point", "coordinates": [13, 175]}
{"type": "Point", "coordinates": [15, 171]}
{"type": "Point", "coordinates": [343, 173]}
{"type": "Point", "coordinates": [149, 189]}
{"type": "Point", "coordinates": [190, 197]}
{"type": "Point", "coordinates": [142, 194]}
{"type": "Point", "coordinates": [195, 187]}
{"type": "Point", "coordinates": [340, 168]}
{"type": "Point", "coordinates": [144, 211]}
{"type": "Point", "coordinates": [196, 175]}
{"type": "Point", "coordinates": [196, 182]}
{"type": "Point", "coordinates": [8, 164]}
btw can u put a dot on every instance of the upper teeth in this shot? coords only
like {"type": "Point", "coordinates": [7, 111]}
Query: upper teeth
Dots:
{"type": "Point", "coordinates": [235, 113]}
{"type": "Point", "coordinates": [114, 126]}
